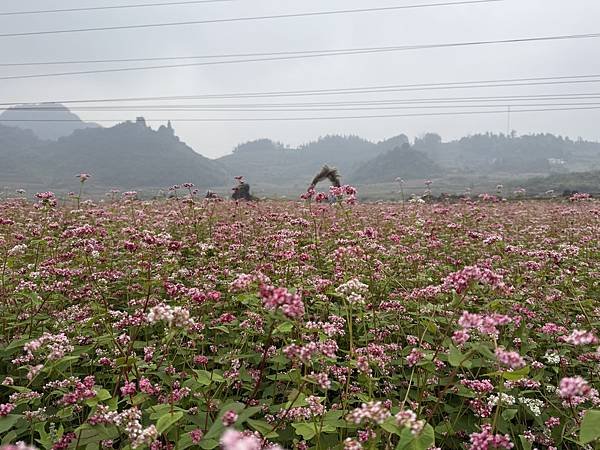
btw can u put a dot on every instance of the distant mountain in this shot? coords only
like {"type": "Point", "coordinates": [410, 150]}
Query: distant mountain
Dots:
{"type": "Point", "coordinates": [270, 162]}
{"type": "Point", "coordinates": [401, 162]}
{"type": "Point", "coordinates": [15, 153]}
{"type": "Point", "coordinates": [501, 154]}
{"type": "Point", "coordinates": [132, 155]}
{"type": "Point", "coordinates": [392, 143]}
{"type": "Point", "coordinates": [128, 155]}
{"type": "Point", "coordinates": [494, 155]}
{"type": "Point", "coordinates": [55, 120]}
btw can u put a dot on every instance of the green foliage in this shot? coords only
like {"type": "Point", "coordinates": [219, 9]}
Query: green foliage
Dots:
{"type": "Point", "coordinates": [590, 427]}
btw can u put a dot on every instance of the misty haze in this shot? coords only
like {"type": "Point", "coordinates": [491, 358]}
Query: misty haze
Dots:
{"type": "Point", "coordinates": [269, 225]}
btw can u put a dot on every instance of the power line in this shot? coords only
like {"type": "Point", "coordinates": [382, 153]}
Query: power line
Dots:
{"type": "Point", "coordinates": [278, 119]}
{"type": "Point", "coordinates": [247, 55]}
{"type": "Point", "coordinates": [98, 8]}
{"type": "Point", "coordinates": [320, 109]}
{"type": "Point", "coordinates": [310, 54]}
{"type": "Point", "coordinates": [472, 84]}
{"type": "Point", "coordinates": [389, 102]}
{"type": "Point", "coordinates": [252, 18]}
{"type": "Point", "coordinates": [266, 108]}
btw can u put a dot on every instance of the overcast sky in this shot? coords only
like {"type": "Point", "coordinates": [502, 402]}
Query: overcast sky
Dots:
{"type": "Point", "coordinates": [507, 19]}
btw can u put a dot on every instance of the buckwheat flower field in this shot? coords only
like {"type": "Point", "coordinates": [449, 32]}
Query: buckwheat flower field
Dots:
{"type": "Point", "coordinates": [193, 323]}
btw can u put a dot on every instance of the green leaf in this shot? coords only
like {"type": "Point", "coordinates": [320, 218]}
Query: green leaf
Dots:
{"type": "Point", "coordinates": [284, 328]}
{"type": "Point", "coordinates": [216, 429]}
{"type": "Point", "coordinates": [509, 414]}
{"type": "Point", "coordinates": [590, 427]}
{"type": "Point", "coordinates": [11, 437]}
{"type": "Point", "coordinates": [430, 325]}
{"type": "Point", "coordinates": [391, 427]}
{"type": "Point", "coordinates": [525, 443]}
{"type": "Point", "coordinates": [167, 421]}
{"type": "Point", "coordinates": [306, 430]}
{"type": "Point", "coordinates": [516, 374]}
{"type": "Point", "coordinates": [158, 411]}
{"type": "Point", "coordinates": [484, 350]}
{"type": "Point", "coordinates": [422, 441]}
{"type": "Point", "coordinates": [457, 359]}
{"type": "Point", "coordinates": [264, 428]}
{"type": "Point", "coordinates": [101, 395]}
{"type": "Point", "coordinates": [7, 422]}
{"type": "Point", "coordinates": [208, 444]}
{"type": "Point", "coordinates": [184, 442]}
{"type": "Point", "coordinates": [205, 377]}
{"type": "Point", "coordinates": [333, 418]}
{"type": "Point", "coordinates": [45, 440]}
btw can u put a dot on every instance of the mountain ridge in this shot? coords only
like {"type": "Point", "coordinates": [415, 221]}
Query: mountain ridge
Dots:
{"type": "Point", "coordinates": [60, 120]}
{"type": "Point", "coordinates": [131, 154]}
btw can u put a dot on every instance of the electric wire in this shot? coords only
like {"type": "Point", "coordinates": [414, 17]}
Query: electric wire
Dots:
{"type": "Point", "coordinates": [247, 19]}
{"type": "Point", "coordinates": [308, 54]}
{"type": "Point", "coordinates": [372, 89]}
{"type": "Point", "coordinates": [296, 109]}
{"type": "Point", "coordinates": [311, 118]}
{"type": "Point", "coordinates": [99, 8]}
{"type": "Point", "coordinates": [228, 106]}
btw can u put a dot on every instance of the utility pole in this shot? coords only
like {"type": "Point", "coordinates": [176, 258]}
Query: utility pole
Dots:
{"type": "Point", "coordinates": [508, 122]}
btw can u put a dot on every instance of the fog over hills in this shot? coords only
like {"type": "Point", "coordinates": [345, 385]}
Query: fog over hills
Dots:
{"type": "Point", "coordinates": [401, 162]}
{"type": "Point", "coordinates": [128, 155]}
{"type": "Point", "coordinates": [133, 155]}
{"type": "Point", "coordinates": [48, 121]}
{"type": "Point", "coordinates": [15, 149]}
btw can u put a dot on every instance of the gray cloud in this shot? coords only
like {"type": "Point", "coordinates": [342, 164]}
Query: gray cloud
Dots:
{"type": "Point", "coordinates": [512, 18]}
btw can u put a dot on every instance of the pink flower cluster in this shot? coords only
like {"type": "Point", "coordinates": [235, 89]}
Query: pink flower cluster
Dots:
{"type": "Point", "coordinates": [334, 191]}
{"type": "Point", "coordinates": [484, 323]}
{"type": "Point", "coordinates": [313, 409]}
{"type": "Point", "coordinates": [461, 280]}
{"type": "Point", "coordinates": [414, 357]}
{"type": "Point", "coordinates": [580, 196]}
{"type": "Point", "coordinates": [47, 198]}
{"type": "Point", "coordinates": [304, 353]}
{"type": "Point", "coordinates": [479, 386]}
{"type": "Point", "coordinates": [6, 409]}
{"type": "Point", "coordinates": [247, 440]}
{"type": "Point", "coordinates": [280, 298]}
{"type": "Point", "coordinates": [509, 359]}
{"type": "Point", "coordinates": [229, 418]}
{"type": "Point", "coordinates": [580, 337]}
{"type": "Point", "coordinates": [83, 391]}
{"type": "Point", "coordinates": [486, 440]}
{"type": "Point", "coordinates": [56, 346]}
{"type": "Point", "coordinates": [334, 327]}
{"type": "Point", "coordinates": [575, 391]}
{"type": "Point", "coordinates": [408, 418]}
{"type": "Point", "coordinates": [17, 446]}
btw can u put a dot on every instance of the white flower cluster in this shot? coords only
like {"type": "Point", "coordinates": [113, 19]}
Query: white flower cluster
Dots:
{"type": "Point", "coordinates": [534, 405]}
{"type": "Point", "coordinates": [552, 358]}
{"type": "Point", "coordinates": [369, 412]}
{"type": "Point", "coordinates": [353, 290]}
{"type": "Point", "coordinates": [129, 421]}
{"type": "Point", "coordinates": [502, 398]}
{"type": "Point", "coordinates": [18, 249]}
{"type": "Point", "coordinates": [174, 316]}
